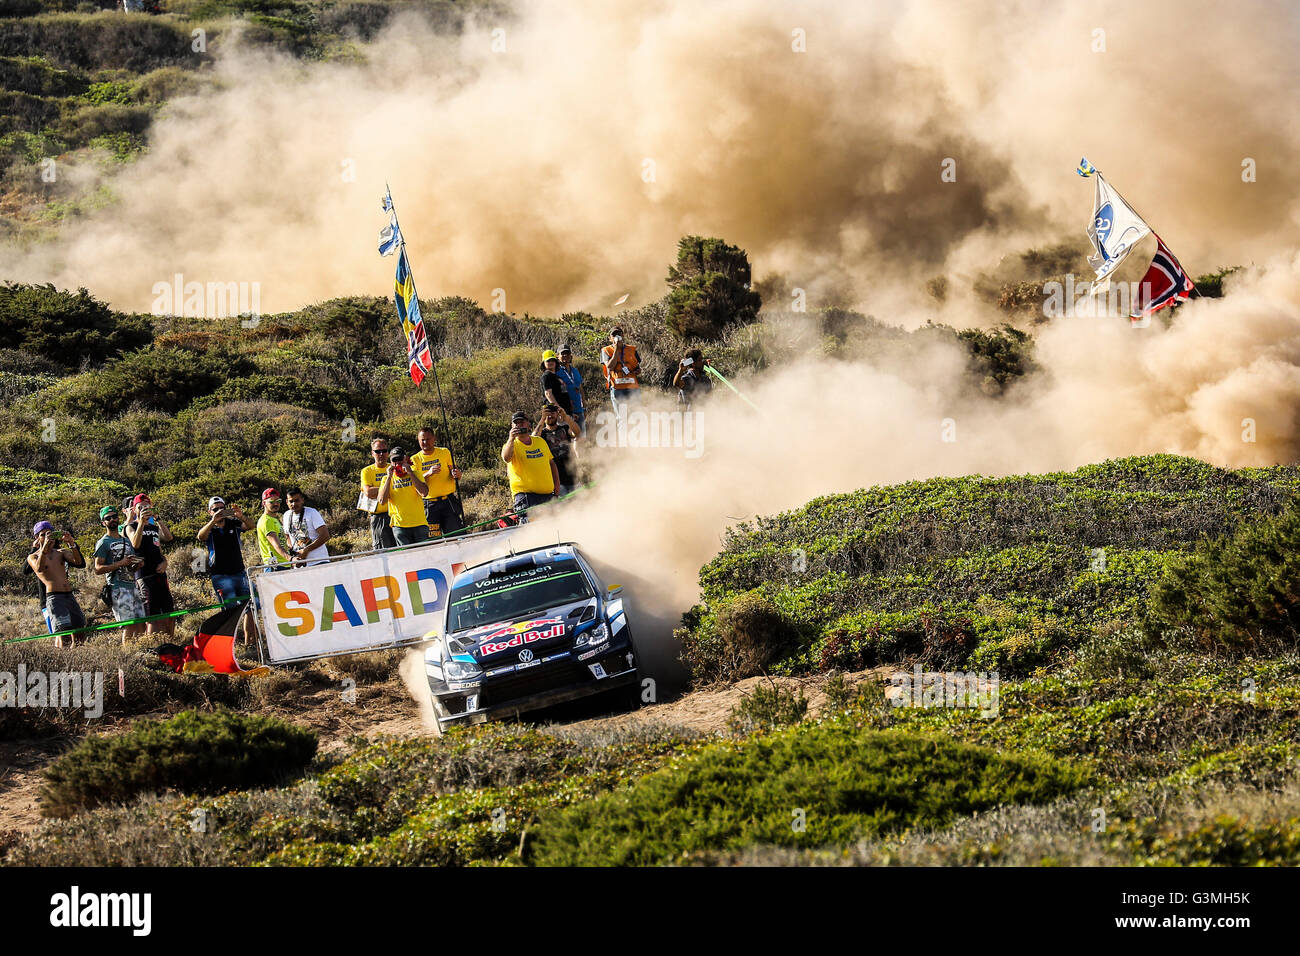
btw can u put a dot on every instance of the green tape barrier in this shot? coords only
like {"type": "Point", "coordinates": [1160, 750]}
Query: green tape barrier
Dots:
{"type": "Point", "coordinates": [718, 375]}
{"type": "Point", "coordinates": [114, 625]}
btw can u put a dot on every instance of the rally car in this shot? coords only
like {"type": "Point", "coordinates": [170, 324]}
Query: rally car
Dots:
{"type": "Point", "coordinates": [525, 632]}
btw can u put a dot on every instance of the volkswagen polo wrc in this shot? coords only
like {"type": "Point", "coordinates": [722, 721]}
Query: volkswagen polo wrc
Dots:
{"type": "Point", "coordinates": [525, 632]}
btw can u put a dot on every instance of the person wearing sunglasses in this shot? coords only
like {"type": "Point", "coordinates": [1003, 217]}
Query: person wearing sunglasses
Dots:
{"type": "Point", "coordinates": [372, 476]}
{"type": "Point", "coordinates": [117, 561]}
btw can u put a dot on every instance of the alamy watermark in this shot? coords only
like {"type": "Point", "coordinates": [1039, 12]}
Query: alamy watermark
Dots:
{"type": "Point", "coordinates": [1082, 299]}
{"type": "Point", "coordinates": [961, 689]}
{"type": "Point", "coordinates": [643, 429]}
{"type": "Point", "coordinates": [71, 689]}
{"type": "Point", "coordinates": [215, 300]}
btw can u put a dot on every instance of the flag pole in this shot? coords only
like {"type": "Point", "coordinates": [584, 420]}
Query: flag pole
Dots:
{"type": "Point", "coordinates": [433, 361]}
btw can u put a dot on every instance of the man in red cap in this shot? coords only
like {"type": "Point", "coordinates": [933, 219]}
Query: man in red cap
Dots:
{"type": "Point", "coordinates": [270, 535]}
{"type": "Point", "coordinates": [147, 534]}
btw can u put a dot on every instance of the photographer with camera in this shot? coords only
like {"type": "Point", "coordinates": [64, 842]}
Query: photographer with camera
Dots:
{"type": "Point", "coordinates": [621, 366]}
{"type": "Point", "coordinates": [691, 380]}
{"type": "Point", "coordinates": [403, 491]}
{"type": "Point", "coordinates": [147, 534]}
{"type": "Point", "coordinates": [225, 556]}
{"type": "Point", "coordinates": [534, 479]}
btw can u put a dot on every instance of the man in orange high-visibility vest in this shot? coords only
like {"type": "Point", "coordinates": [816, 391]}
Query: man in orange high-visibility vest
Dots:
{"type": "Point", "coordinates": [621, 366]}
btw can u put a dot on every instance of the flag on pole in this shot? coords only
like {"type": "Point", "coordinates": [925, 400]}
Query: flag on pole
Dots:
{"type": "Point", "coordinates": [1115, 228]}
{"type": "Point", "coordinates": [390, 237]}
{"type": "Point", "coordinates": [1164, 283]}
{"type": "Point", "coordinates": [418, 356]}
{"type": "Point", "coordinates": [1086, 168]}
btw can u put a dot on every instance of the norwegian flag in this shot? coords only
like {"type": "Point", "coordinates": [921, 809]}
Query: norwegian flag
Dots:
{"type": "Point", "coordinates": [1164, 283]}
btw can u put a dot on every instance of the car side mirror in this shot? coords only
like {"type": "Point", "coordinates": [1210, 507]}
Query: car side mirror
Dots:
{"type": "Point", "coordinates": [613, 590]}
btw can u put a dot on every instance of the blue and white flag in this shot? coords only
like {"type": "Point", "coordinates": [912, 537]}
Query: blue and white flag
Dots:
{"type": "Point", "coordinates": [390, 237]}
{"type": "Point", "coordinates": [1114, 231]}
{"type": "Point", "coordinates": [387, 202]}
{"type": "Point", "coordinates": [1086, 168]}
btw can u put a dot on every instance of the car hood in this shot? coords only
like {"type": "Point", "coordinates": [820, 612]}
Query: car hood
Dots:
{"type": "Point", "coordinates": [545, 630]}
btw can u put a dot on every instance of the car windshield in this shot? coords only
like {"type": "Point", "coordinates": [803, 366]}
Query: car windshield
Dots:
{"type": "Point", "coordinates": [510, 597]}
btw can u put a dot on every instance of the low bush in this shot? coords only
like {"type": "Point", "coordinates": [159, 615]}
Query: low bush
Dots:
{"type": "Point", "coordinates": [192, 752]}
{"type": "Point", "coordinates": [66, 327]}
{"type": "Point", "coordinates": [1240, 592]}
{"type": "Point", "coordinates": [807, 786]}
{"type": "Point", "coordinates": [767, 708]}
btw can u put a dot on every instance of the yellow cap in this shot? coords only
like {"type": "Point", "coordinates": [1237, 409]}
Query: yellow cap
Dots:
{"type": "Point", "coordinates": [549, 354]}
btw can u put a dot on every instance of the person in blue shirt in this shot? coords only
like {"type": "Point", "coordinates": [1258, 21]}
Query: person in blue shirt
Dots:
{"type": "Point", "coordinates": [572, 380]}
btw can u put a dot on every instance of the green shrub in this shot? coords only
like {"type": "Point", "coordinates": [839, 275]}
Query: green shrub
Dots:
{"type": "Point", "coordinates": [166, 380]}
{"type": "Point", "coordinates": [767, 708]}
{"type": "Point", "coordinates": [1240, 591]}
{"type": "Point", "coordinates": [191, 752]}
{"type": "Point", "coordinates": [66, 327]}
{"type": "Point", "coordinates": [746, 634]}
{"type": "Point", "coordinates": [840, 784]}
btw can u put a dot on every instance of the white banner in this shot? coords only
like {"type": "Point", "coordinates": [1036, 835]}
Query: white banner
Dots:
{"type": "Point", "coordinates": [375, 600]}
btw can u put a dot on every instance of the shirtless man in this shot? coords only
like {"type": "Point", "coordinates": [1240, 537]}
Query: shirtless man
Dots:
{"type": "Point", "coordinates": [50, 565]}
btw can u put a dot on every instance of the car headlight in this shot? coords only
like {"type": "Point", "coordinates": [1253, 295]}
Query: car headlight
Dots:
{"type": "Point", "coordinates": [597, 635]}
{"type": "Point", "coordinates": [460, 668]}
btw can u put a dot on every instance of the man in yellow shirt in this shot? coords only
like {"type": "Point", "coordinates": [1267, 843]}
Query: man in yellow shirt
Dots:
{"type": "Point", "coordinates": [381, 532]}
{"type": "Point", "coordinates": [442, 506]}
{"type": "Point", "coordinates": [530, 465]}
{"type": "Point", "coordinates": [403, 491]}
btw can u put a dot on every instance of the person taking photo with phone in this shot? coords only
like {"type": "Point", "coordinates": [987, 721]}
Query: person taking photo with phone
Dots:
{"type": "Point", "coordinates": [226, 571]}
{"type": "Point", "coordinates": [534, 479]}
{"type": "Point", "coordinates": [117, 561]}
{"type": "Point", "coordinates": [148, 533]}
{"type": "Point", "coordinates": [403, 491]}
{"type": "Point", "coordinates": [49, 559]}
{"type": "Point", "coordinates": [691, 380]}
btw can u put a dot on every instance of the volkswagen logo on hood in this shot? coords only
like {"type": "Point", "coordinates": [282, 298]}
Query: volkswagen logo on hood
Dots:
{"type": "Point", "coordinates": [525, 655]}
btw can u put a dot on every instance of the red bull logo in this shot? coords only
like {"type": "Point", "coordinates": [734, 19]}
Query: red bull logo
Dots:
{"type": "Point", "coordinates": [524, 632]}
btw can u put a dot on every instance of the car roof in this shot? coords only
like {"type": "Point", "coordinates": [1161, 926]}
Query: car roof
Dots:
{"type": "Point", "coordinates": [517, 562]}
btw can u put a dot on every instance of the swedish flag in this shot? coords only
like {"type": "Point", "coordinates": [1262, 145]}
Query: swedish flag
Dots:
{"type": "Point", "coordinates": [408, 310]}
{"type": "Point", "coordinates": [1086, 168]}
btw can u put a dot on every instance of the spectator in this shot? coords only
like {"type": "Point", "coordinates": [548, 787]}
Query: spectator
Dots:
{"type": "Point", "coordinates": [530, 465]}
{"type": "Point", "coordinates": [403, 491]}
{"type": "Point", "coordinates": [572, 379]}
{"type": "Point", "coordinates": [225, 556]}
{"type": "Point", "coordinates": [560, 431]}
{"type": "Point", "coordinates": [442, 507]}
{"type": "Point", "coordinates": [115, 558]}
{"type": "Point", "coordinates": [270, 534]}
{"type": "Point", "coordinates": [50, 565]}
{"type": "Point", "coordinates": [147, 534]}
{"type": "Point", "coordinates": [553, 389]}
{"type": "Point", "coordinates": [381, 532]}
{"type": "Point", "coordinates": [621, 366]}
{"type": "Point", "coordinates": [305, 530]}
{"type": "Point", "coordinates": [691, 380]}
